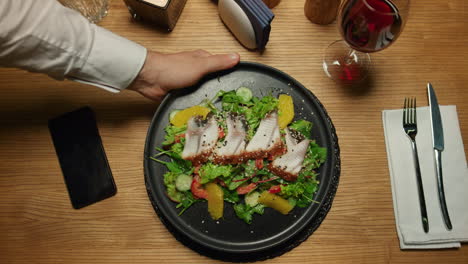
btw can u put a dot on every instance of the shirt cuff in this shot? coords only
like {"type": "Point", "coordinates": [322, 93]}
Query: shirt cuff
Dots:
{"type": "Point", "coordinates": [113, 62]}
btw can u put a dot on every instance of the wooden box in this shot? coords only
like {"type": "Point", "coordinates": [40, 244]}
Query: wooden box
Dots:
{"type": "Point", "coordinates": [163, 13]}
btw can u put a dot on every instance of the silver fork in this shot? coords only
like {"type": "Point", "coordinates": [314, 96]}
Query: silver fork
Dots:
{"type": "Point", "coordinates": [411, 128]}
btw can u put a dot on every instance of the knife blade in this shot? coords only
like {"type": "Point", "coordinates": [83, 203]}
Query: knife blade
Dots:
{"type": "Point", "coordinates": [438, 145]}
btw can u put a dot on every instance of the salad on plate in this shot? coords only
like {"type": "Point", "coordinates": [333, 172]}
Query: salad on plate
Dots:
{"type": "Point", "coordinates": [250, 153]}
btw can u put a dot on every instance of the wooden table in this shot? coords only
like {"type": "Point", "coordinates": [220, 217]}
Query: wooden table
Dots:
{"type": "Point", "coordinates": [38, 224]}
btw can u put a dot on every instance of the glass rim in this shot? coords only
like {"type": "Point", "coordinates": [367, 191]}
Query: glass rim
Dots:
{"type": "Point", "coordinates": [387, 13]}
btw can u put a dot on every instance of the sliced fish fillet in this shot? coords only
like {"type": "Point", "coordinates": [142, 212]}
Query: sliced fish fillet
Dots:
{"type": "Point", "coordinates": [267, 139]}
{"type": "Point", "coordinates": [233, 146]}
{"type": "Point", "coordinates": [289, 165]}
{"type": "Point", "coordinates": [200, 139]}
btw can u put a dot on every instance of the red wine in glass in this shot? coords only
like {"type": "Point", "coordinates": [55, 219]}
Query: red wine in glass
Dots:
{"type": "Point", "coordinates": [366, 26]}
{"type": "Point", "coordinates": [370, 25]}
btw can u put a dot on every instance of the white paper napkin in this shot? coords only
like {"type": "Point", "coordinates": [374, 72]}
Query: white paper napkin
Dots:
{"type": "Point", "coordinates": [403, 179]}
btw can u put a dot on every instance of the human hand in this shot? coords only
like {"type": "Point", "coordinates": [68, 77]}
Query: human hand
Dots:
{"type": "Point", "coordinates": [164, 72]}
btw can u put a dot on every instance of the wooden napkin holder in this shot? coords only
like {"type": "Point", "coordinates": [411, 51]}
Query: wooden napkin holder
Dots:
{"type": "Point", "coordinates": [163, 13]}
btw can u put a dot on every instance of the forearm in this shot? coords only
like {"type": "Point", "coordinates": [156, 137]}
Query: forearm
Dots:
{"type": "Point", "coordinates": [43, 36]}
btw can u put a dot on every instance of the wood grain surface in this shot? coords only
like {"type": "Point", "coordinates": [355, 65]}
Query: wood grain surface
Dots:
{"type": "Point", "coordinates": [38, 224]}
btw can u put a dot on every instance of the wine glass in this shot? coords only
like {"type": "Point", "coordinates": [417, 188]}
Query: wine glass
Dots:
{"type": "Point", "coordinates": [366, 26]}
{"type": "Point", "coordinates": [93, 10]}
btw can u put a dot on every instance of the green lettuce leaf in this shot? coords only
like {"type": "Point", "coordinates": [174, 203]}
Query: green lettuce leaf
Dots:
{"type": "Point", "coordinates": [231, 197]}
{"type": "Point", "coordinates": [171, 132]}
{"type": "Point", "coordinates": [245, 212]}
{"type": "Point", "coordinates": [209, 171]}
{"type": "Point", "coordinates": [302, 191]}
{"type": "Point", "coordinates": [254, 110]}
{"type": "Point", "coordinates": [302, 126]}
{"type": "Point", "coordinates": [169, 181]}
{"type": "Point", "coordinates": [186, 201]}
{"type": "Point", "coordinates": [259, 110]}
{"type": "Point", "coordinates": [315, 156]}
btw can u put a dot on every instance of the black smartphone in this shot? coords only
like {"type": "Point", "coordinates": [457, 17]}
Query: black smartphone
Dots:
{"type": "Point", "coordinates": [82, 158]}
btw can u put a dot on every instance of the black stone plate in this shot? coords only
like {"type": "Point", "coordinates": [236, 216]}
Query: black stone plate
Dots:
{"type": "Point", "coordinates": [270, 234]}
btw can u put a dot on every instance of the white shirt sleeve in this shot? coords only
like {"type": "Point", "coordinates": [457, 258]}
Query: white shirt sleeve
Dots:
{"type": "Point", "coordinates": [43, 36]}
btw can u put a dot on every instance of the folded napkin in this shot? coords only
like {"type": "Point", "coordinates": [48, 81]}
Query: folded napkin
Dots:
{"type": "Point", "coordinates": [403, 180]}
{"type": "Point", "coordinates": [260, 16]}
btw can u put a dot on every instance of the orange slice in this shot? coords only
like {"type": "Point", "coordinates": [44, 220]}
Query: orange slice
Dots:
{"type": "Point", "coordinates": [183, 116]}
{"type": "Point", "coordinates": [276, 202]}
{"type": "Point", "coordinates": [215, 200]}
{"type": "Point", "coordinates": [286, 110]}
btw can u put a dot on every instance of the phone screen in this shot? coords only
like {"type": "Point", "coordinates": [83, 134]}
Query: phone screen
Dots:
{"type": "Point", "coordinates": [82, 159]}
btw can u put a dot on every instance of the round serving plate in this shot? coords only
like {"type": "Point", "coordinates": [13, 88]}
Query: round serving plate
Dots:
{"type": "Point", "coordinates": [270, 234]}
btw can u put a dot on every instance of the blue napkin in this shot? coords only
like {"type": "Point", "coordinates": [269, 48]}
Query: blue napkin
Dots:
{"type": "Point", "coordinates": [260, 16]}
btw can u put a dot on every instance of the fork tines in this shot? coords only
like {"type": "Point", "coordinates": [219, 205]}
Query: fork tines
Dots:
{"type": "Point", "coordinates": [409, 111]}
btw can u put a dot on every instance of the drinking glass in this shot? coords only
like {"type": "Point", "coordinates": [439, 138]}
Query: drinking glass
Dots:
{"type": "Point", "coordinates": [366, 26]}
{"type": "Point", "coordinates": [93, 10]}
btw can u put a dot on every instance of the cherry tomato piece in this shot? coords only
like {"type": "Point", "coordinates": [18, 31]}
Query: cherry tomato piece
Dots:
{"type": "Point", "coordinates": [197, 189]}
{"type": "Point", "coordinates": [246, 189]}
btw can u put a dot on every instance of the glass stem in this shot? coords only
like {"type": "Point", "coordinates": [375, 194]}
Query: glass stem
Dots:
{"type": "Point", "coordinates": [350, 57]}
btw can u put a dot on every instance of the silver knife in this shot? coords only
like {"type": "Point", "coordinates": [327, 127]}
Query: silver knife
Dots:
{"type": "Point", "coordinates": [438, 144]}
